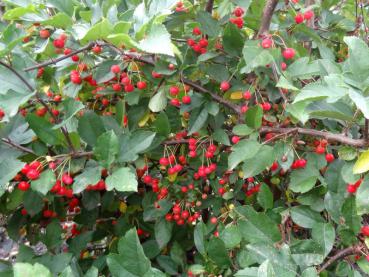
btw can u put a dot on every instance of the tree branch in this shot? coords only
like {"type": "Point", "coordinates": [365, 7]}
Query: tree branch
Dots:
{"type": "Point", "coordinates": [19, 147]}
{"type": "Point", "coordinates": [42, 102]}
{"type": "Point", "coordinates": [55, 61]}
{"type": "Point", "coordinates": [311, 132]}
{"type": "Point", "coordinates": [209, 6]}
{"type": "Point", "coordinates": [267, 17]}
{"type": "Point", "coordinates": [339, 255]}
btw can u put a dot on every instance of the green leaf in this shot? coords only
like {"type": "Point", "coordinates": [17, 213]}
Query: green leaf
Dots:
{"type": "Point", "coordinates": [122, 39]}
{"type": "Point", "coordinates": [12, 100]}
{"type": "Point", "coordinates": [163, 232]}
{"type": "Point", "coordinates": [266, 156]}
{"type": "Point", "coordinates": [265, 197]}
{"type": "Point", "coordinates": [255, 56]}
{"type": "Point", "coordinates": [233, 40]}
{"type": "Point", "coordinates": [106, 148]}
{"type": "Point", "coordinates": [243, 150]}
{"type": "Point", "coordinates": [60, 20]}
{"type": "Point", "coordinates": [310, 272]}
{"type": "Point", "coordinates": [362, 197]}
{"type": "Point", "coordinates": [71, 108]}
{"type": "Point", "coordinates": [303, 180]}
{"type": "Point", "coordinates": [90, 127]}
{"type": "Point", "coordinates": [66, 6]}
{"type": "Point", "coordinates": [208, 24]}
{"type": "Point", "coordinates": [17, 13]}
{"type": "Point", "coordinates": [100, 30]}
{"type": "Point", "coordinates": [131, 256]}
{"type": "Point", "coordinates": [305, 217]}
{"type": "Point", "coordinates": [44, 183]}
{"type": "Point", "coordinates": [8, 169]}
{"type": "Point", "coordinates": [123, 179]}
{"type": "Point", "coordinates": [266, 269]}
{"type": "Point", "coordinates": [360, 101]}
{"type": "Point", "coordinates": [90, 176]}
{"type": "Point", "coordinates": [53, 238]}
{"type": "Point", "coordinates": [257, 227]}
{"type": "Point", "coordinates": [358, 57]}
{"type": "Point", "coordinates": [350, 214]}
{"type": "Point", "coordinates": [198, 118]}
{"type": "Point", "coordinates": [78, 243]}
{"type": "Point", "coordinates": [324, 235]}
{"type": "Point", "coordinates": [284, 83]}
{"type": "Point", "coordinates": [221, 136]}
{"type": "Point", "coordinates": [362, 163]}
{"type": "Point", "coordinates": [29, 270]}
{"type": "Point", "coordinates": [217, 252]}
{"type": "Point", "coordinates": [242, 130]}
{"type": "Point", "coordinates": [199, 237]}
{"type": "Point", "coordinates": [157, 41]}
{"type": "Point", "coordinates": [231, 236]}
{"type": "Point", "coordinates": [159, 101]}
{"type": "Point", "coordinates": [254, 117]}
{"type": "Point", "coordinates": [134, 144]}
{"type": "Point", "coordinates": [44, 130]}
{"type": "Point", "coordinates": [32, 202]}
{"type": "Point", "coordinates": [347, 153]}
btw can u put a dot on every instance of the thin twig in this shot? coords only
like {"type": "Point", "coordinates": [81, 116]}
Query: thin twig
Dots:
{"type": "Point", "coordinates": [267, 17]}
{"type": "Point", "coordinates": [341, 254]}
{"type": "Point", "coordinates": [55, 61]}
{"type": "Point", "coordinates": [19, 147]}
{"type": "Point", "coordinates": [209, 6]}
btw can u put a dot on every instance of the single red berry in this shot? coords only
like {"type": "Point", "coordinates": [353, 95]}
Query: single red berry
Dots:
{"type": "Point", "coordinates": [196, 31]}
{"type": "Point", "coordinates": [351, 188]}
{"type": "Point", "coordinates": [221, 191]}
{"type": "Point", "coordinates": [266, 43]}
{"type": "Point", "coordinates": [283, 66]}
{"type": "Point", "coordinates": [235, 139]}
{"type": "Point", "coordinates": [33, 174]}
{"type": "Point", "coordinates": [129, 88]}
{"type": "Point", "coordinates": [185, 214]}
{"type": "Point", "coordinates": [115, 69]}
{"type": "Point", "coordinates": [288, 53]}
{"type": "Point", "coordinates": [266, 106]}
{"type": "Point", "coordinates": [238, 11]}
{"type": "Point", "coordinates": [191, 42]}
{"type": "Point", "coordinates": [186, 100]}
{"type": "Point", "coordinates": [175, 102]}
{"type": "Point", "coordinates": [23, 211]}
{"type": "Point", "coordinates": [96, 49]}
{"type": "Point", "coordinates": [174, 90]}
{"type": "Point", "coordinates": [24, 186]}
{"type": "Point", "coordinates": [299, 18]}
{"type": "Point", "coordinates": [141, 85]}
{"type": "Point", "coordinates": [2, 114]}
{"type": "Point", "coordinates": [224, 86]}
{"type": "Point", "coordinates": [44, 33]}
{"type": "Point", "coordinates": [116, 87]}
{"type": "Point", "coordinates": [147, 179]}
{"type": "Point", "coordinates": [67, 179]}
{"type": "Point", "coordinates": [329, 157]}
{"type": "Point", "coordinates": [308, 15]}
{"type": "Point", "coordinates": [168, 217]}
{"type": "Point", "coordinates": [75, 58]}
{"type": "Point", "coordinates": [59, 43]}
{"type": "Point", "coordinates": [320, 149]}
{"type": "Point", "coordinates": [213, 220]}
{"type": "Point", "coordinates": [246, 95]}
{"type": "Point", "coordinates": [301, 163]}
{"type": "Point", "coordinates": [164, 161]}
{"type": "Point", "coordinates": [365, 230]}
{"type": "Point", "coordinates": [203, 42]}
{"type": "Point", "coordinates": [47, 213]}
{"type": "Point", "coordinates": [156, 75]}
{"type": "Point", "coordinates": [140, 232]}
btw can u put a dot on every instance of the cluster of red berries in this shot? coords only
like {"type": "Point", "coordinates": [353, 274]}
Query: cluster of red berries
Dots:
{"type": "Point", "coordinates": [100, 185]}
{"type": "Point", "coordinates": [31, 172]}
{"type": "Point", "coordinates": [238, 12]}
{"type": "Point", "coordinates": [181, 216]}
{"type": "Point", "coordinates": [199, 46]}
{"type": "Point", "coordinates": [174, 91]}
{"type": "Point", "coordinates": [61, 186]}
{"type": "Point", "coordinates": [300, 163]}
{"type": "Point", "coordinates": [59, 43]}
{"type": "Point", "coordinates": [75, 77]}
{"type": "Point", "coordinates": [321, 148]}
{"type": "Point", "coordinates": [300, 18]}
{"type": "Point", "coordinates": [352, 188]}
{"type": "Point", "coordinates": [180, 7]}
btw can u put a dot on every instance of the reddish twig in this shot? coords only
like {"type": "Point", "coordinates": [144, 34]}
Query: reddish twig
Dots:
{"type": "Point", "coordinates": [19, 147]}
{"type": "Point", "coordinates": [353, 250]}
{"type": "Point", "coordinates": [267, 17]}
{"type": "Point", "coordinates": [55, 61]}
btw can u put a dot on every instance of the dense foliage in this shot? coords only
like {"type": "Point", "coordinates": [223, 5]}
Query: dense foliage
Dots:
{"type": "Point", "coordinates": [195, 138]}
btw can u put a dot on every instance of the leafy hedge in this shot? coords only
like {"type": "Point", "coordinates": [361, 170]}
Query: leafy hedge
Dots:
{"type": "Point", "coordinates": [195, 138]}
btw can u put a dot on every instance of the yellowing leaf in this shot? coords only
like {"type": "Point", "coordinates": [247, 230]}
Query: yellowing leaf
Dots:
{"type": "Point", "coordinates": [362, 163]}
{"type": "Point", "coordinates": [236, 95]}
{"type": "Point", "coordinates": [144, 120]}
{"type": "Point", "coordinates": [122, 207]}
{"type": "Point", "coordinates": [172, 177]}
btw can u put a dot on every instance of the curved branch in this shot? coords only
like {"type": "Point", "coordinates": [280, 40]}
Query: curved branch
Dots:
{"type": "Point", "coordinates": [311, 132]}
{"type": "Point", "coordinates": [353, 250]}
{"type": "Point", "coordinates": [267, 17]}
{"type": "Point", "coordinates": [55, 61]}
{"type": "Point", "coordinates": [19, 147]}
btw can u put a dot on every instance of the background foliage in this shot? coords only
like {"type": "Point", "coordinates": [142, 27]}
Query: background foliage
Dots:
{"type": "Point", "coordinates": [194, 138]}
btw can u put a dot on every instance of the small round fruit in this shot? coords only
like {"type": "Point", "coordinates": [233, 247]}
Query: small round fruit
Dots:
{"type": "Point", "coordinates": [246, 95]}
{"type": "Point", "coordinates": [24, 186]}
{"type": "Point", "coordinates": [141, 85]}
{"type": "Point", "coordinates": [213, 220]}
{"type": "Point", "coordinates": [235, 139]}
{"type": "Point", "coordinates": [115, 69]}
{"type": "Point", "coordinates": [224, 86]}
{"type": "Point", "coordinates": [96, 49]}
{"type": "Point", "coordinates": [299, 18]}
{"type": "Point", "coordinates": [266, 43]}
{"type": "Point", "coordinates": [329, 157]}
{"type": "Point", "coordinates": [288, 53]}
{"type": "Point", "coordinates": [44, 33]}
{"type": "Point", "coordinates": [186, 100]}
{"type": "Point", "coordinates": [308, 15]}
